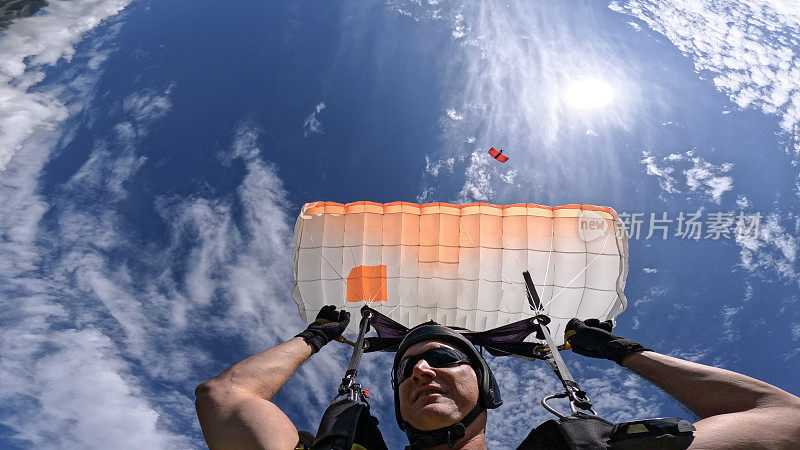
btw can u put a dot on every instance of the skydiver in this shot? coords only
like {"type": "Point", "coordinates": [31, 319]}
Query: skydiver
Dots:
{"type": "Point", "coordinates": [442, 383]}
{"type": "Point", "coordinates": [498, 155]}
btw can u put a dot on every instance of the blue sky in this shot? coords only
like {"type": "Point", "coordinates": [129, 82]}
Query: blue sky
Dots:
{"type": "Point", "coordinates": [154, 156]}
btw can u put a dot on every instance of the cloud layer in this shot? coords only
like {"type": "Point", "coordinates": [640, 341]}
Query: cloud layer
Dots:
{"type": "Point", "coordinates": [701, 178]}
{"type": "Point", "coordinates": [750, 49]}
{"type": "Point", "coordinates": [66, 382]}
{"type": "Point", "coordinates": [104, 335]}
{"type": "Point", "coordinates": [27, 47]}
{"type": "Point", "coordinates": [129, 324]}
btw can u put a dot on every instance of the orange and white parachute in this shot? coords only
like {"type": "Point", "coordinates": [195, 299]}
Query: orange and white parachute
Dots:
{"type": "Point", "coordinates": [460, 265]}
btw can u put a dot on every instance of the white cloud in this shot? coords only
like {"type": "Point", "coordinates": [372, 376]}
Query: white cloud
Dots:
{"type": "Point", "coordinates": [312, 124]}
{"type": "Point", "coordinates": [749, 47]}
{"type": "Point", "coordinates": [419, 10]}
{"type": "Point", "coordinates": [459, 30]}
{"type": "Point", "coordinates": [743, 202]}
{"type": "Point", "coordinates": [664, 173]}
{"type": "Point", "coordinates": [454, 116]}
{"type": "Point", "coordinates": [708, 179]}
{"type": "Point", "coordinates": [433, 168]}
{"type": "Point", "coordinates": [701, 177]}
{"type": "Point", "coordinates": [728, 314]}
{"type": "Point", "coordinates": [21, 115]}
{"type": "Point", "coordinates": [478, 185]}
{"type": "Point", "coordinates": [695, 354]}
{"type": "Point", "coordinates": [425, 196]}
{"type": "Point", "coordinates": [508, 177]}
{"type": "Point", "coordinates": [770, 248]}
{"type": "Point", "coordinates": [522, 386]}
{"type": "Point", "coordinates": [652, 294]}
{"type": "Point", "coordinates": [80, 394]}
{"type": "Point", "coordinates": [103, 167]}
{"type": "Point", "coordinates": [114, 161]}
{"type": "Point", "coordinates": [25, 48]}
{"type": "Point", "coordinates": [147, 107]}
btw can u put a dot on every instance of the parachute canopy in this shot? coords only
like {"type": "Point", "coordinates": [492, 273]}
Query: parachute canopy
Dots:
{"type": "Point", "coordinates": [498, 155]}
{"type": "Point", "coordinates": [460, 265]}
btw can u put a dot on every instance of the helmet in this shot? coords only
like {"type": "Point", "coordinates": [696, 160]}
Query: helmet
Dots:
{"type": "Point", "coordinates": [489, 391]}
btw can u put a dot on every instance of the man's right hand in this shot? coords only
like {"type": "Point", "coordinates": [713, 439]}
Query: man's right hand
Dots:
{"type": "Point", "coordinates": [594, 339]}
{"type": "Point", "coordinates": [329, 325]}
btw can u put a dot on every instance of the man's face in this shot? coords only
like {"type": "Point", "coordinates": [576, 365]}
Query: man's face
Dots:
{"type": "Point", "coordinates": [433, 397]}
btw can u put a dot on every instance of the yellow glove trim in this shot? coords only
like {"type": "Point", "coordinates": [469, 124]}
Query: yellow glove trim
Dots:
{"type": "Point", "coordinates": [569, 333]}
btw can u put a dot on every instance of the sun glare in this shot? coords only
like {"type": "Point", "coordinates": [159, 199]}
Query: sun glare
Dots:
{"type": "Point", "coordinates": [589, 93]}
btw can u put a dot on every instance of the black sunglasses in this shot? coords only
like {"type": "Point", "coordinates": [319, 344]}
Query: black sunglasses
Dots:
{"type": "Point", "coordinates": [436, 357]}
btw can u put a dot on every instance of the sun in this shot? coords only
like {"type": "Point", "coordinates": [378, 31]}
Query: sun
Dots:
{"type": "Point", "coordinates": [589, 93]}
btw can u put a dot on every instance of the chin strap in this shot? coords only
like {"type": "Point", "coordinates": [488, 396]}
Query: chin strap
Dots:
{"type": "Point", "coordinates": [447, 435]}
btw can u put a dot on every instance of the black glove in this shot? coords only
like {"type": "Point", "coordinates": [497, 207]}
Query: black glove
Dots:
{"type": "Point", "coordinates": [594, 339]}
{"type": "Point", "coordinates": [329, 325]}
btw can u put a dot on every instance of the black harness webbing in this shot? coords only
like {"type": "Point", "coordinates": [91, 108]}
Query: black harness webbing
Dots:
{"type": "Point", "coordinates": [446, 435]}
{"type": "Point", "coordinates": [347, 423]}
{"type": "Point", "coordinates": [580, 431]}
{"type": "Point", "coordinates": [584, 431]}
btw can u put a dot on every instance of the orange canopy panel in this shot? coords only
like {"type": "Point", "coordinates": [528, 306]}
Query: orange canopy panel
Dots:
{"type": "Point", "coordinates": [367, 283]}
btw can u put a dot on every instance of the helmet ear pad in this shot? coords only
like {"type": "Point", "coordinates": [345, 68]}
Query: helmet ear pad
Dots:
{"type": "Point", "coordinates": [489, 391]}
{"type": "Point", "coordinates": [487, 384]}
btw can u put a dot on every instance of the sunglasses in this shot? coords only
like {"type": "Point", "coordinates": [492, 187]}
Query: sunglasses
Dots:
{"type": "Point", "coordinates": [436, 357]}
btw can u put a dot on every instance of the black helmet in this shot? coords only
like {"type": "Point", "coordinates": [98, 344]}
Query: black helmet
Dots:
{"type": "Point", "coordinates": [489, 391]}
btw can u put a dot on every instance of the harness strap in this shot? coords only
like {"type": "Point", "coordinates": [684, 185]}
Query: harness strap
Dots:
{"type": "Point", "coordinates": [446, 435]}
{"type": "Point", "coordinates": [577, 397]}
{"type": "Point", "coordinates": [349, 387]}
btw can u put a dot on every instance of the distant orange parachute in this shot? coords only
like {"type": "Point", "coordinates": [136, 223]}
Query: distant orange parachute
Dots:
{"type": "Point", "coordinates": [460, 265]}
{"type": "Point", "coordinates": [498, 155]}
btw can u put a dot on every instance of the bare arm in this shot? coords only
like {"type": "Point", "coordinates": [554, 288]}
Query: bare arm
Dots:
{"type": "Point", "coordinates": [736, 411]}
{"type": "Point", "coordinates": [234, 407]}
